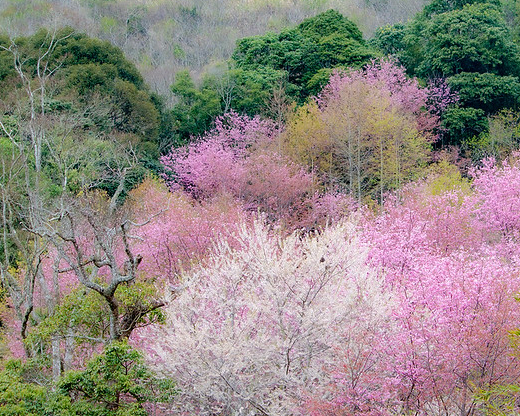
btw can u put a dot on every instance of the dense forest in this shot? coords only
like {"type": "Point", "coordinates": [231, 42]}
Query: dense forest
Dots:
{"type": "Point", "coordinates": [164, 37]}
{"type": "Point", "coordinates": [260, 208]}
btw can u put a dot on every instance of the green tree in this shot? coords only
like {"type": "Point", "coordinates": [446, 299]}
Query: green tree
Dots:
{"type": "Point", "coordinates": [501, 139]}
{"type": "Point", "coordinates": [442, 6]}
{"type": "Point", "coordinates": [299, 60]}
{"type": "Point", "coordinates": [389, 39]}
{"type": "Point", "coordinates": [327, 40]}
{"type": "Point", "coordinates": [472, 39]}
{"type": "Point", "coordinates": [196, 107]}
{"type": "Point", "coordinates": [511, 10]}
{"type": "Point", "coordinates": [23, 395]}
{"type": "Point", "coordinates": [463, 124]}
{"type": "Point", "coordinates": [486, 91]}
{"type": "Point", "coordinates": [89, 77]}
{"type": "Point", "coordinates": [468, 43]}
{"type": "Point", "coordinates": [116, 382]}
{"type": "Point", "coordinates": [5, 59]}
{"type": "Point", "coordinates": [254, 88]}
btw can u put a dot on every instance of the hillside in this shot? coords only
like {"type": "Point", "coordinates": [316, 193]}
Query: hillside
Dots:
{"type": "Point", "coordinates": [260, 208]}
{"type": "Point", "coordinates": [163, 37]}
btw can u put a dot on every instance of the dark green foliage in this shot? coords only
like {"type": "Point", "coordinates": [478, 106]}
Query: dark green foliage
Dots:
{"type": "Point", "coordinates": [319, 80]}
{"type": "Point", "coordinates": [472, 39]}
{"type": "Point", "coordinates": [443, 6]}
{"type": "Point", "coordinates": [86, 79]}
{"type": "Point", "coordinates": [196, 109]}
{"type": "Point", "coordinates": [81, 49]}
{"type": "Point", "coordinates": [468, 43]}
{"type": "Point", "coordinates": [300, 60]}
{"type": "Point", "coordinates": [289, 51]}
{"type": "Point", "coordinates": [253, 88]}
{"type": "Point", "coordinates": [262, 50]}
{"type": "Point", "coordinates": [184, 87]}
{"type": "Point", "coordinates": [114, 383]}
{"type": "Point", "coordinates": [92, 71]}
{"type": "Point", "coordinates": [473, 48]}
{"type": "Point", "coordinates": [325, 41]}
{"type": "Point", "coordinates": [389, 39]}
{"type": "Point", "coordinates": [77, 49]}
{"type": "Point", "coordinates": [6, 60]}
{"type": "Point", "coordinates": [338, 49]}
{"type": "Point", "coordinates": [21, 397]}
{"type": "Point", "coordinates": [249, 92]}
{"type": "Point", "coordinates": [486, 91]}
{"type": "Point", "coordinates": [328, 23]}
{"type": "Point", "coordinates": [134, 112]}
{"type": "Point", "coordinates": [167, 136]}
{"type": "Point", "coordinates": [511, 10]}
{"type": "Point", "coordinates": [97, 94]}
{"type": "Point", "coordinates": [463, 124]}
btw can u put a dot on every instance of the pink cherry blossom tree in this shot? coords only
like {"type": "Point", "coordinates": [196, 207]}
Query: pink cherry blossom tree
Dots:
{"type": "Point", "coordinates": [240, 157]}
{"type": "Point", "coordinates": [182, 229]}
{"type": "Point", "coordinates": [448, 259]}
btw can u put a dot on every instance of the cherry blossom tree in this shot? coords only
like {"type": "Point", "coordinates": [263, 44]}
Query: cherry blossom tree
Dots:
{"type": "Point", "coordinates": [449, 259]}
{"type": "Point", "coordinates": [182, 231]}
{"type": "Point", "coordinates": [370, 129]}
{"type": "Point", "coordinates": [240, 157]}
{"type": "Point", "coordinates": [262, 326]}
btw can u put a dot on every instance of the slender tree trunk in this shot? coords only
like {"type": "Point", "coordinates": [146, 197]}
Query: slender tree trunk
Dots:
{"type": "Point", "coordinates": [381, 170]}
{"type": "Point", "coordinates": [56, 357]}
{"type": "Point", "coordinates": [69, 350]}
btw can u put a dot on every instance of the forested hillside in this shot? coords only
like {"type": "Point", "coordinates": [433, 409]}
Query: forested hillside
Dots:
{"type": "Point", "coordinates": [163, 37]}
{"type": "Point", "coordinates": [260, 208]}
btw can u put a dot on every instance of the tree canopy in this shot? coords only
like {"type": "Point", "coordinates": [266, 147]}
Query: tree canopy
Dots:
{"type": "Point", "coordinates": [469, 44]}
{"type": "Point", "coordinates": [327, 40]}
{"type": "Point", "coordinates": [297, 61]}
{"type": "Point", "coordinates": [88, 76]}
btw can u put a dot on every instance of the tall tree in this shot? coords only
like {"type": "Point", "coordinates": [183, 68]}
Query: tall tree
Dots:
{"type": "Point", "coordinates": [328, 40]}
{"type": "Point", "coordinates": [57, 225]}
{"type": "Point", "coordinates": [288, 306]}
{"type": "Point", "coordinates": [470, 45]}
{"type": "Point", "coordinates": [371, 129]}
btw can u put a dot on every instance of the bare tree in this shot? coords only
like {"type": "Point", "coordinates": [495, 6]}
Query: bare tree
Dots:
{"type": "Point", "coordinates": [22, 211]}
{"type": "Point", "coordinates": [79, 233]}
{"type": "Point", "coordinates": [108, 230]}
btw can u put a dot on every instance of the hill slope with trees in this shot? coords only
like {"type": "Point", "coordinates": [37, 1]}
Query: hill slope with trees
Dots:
{"type": "Point", "coordinates": [322, 223]}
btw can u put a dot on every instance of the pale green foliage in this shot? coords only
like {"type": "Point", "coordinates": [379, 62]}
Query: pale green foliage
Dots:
{"type": "Point", "coordinates": [499, 400]}
{"type": "Point", "coordinates": [361, 139]}
{"type": "Point", "coordinates": [83, 315]}
{"type": "Point", "coordinates": [503, 136]}
{"type": "Point", "coordinates": [445, 177]}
